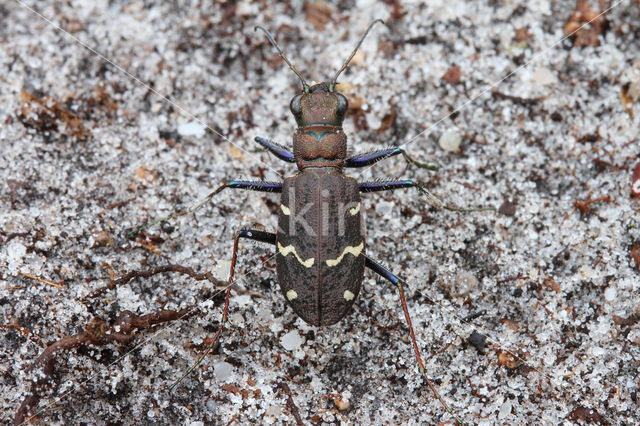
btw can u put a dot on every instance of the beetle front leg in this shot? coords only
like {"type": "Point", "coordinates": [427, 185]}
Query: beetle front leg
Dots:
{"type": "Point", "coordinates": [260, 186]}
{"type": "Point", "coordinates": [369, 158]}
{"type": "Point", "coordinates": [265, 237]}
{"type": "Point", "coordinates": [389, 276]}
{"type": "Point", "coordinates": [276, 149]}
{"type": "Point", "coordinates": [431, 199]}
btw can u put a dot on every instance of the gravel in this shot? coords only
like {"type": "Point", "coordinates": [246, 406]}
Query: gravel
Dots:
{"type": "Point", "coordinates": [532, 123]}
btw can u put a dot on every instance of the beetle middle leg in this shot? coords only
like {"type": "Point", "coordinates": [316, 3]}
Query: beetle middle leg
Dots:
{"type": "Point", "coordinates": [369, 158]}
{"type": "Point", "coordinates": [431, 199]}
{"type": "Point", "coordinates": [252, 234]}
{"type": "Point", "coordinates": [389, 276]}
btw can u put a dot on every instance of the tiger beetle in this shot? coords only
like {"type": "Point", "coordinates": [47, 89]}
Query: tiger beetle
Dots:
{"type": "Point", "coordinates": [320, 240]}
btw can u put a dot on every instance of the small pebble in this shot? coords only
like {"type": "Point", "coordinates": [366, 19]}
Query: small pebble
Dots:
{"type": "Point", "coordinates": [544, 76]}
{"type": "Point", "coordinates": [611, 294]}
{"type": "Point", "coordinates": [291, 340]}
{"type": "Point", "coordinates": [342, 404]}
{"type": "Point", "coordinates": [464, 283]}
{"type": "Point", "coordinates": [222, 370]}
{"type": "Point", "coordinates": [450, 141]}
{"type": "Point", "coordinates": [191, 129]}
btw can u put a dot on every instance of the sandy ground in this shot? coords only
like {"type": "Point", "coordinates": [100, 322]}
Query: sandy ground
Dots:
{"type": "Point", "coordinates": [88, 153]}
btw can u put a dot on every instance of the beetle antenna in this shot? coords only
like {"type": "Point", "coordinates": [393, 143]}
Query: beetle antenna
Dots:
{"type": "Point", "coordinates": [346, 63]}
{"type": "Point", "coordinates": [305, 86]}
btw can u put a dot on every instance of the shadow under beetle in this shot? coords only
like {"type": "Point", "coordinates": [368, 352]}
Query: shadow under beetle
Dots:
{"type": "Point", "coordinates": [320, 241]}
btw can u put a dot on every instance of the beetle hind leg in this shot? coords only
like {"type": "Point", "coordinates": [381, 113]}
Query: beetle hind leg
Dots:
{"type": "Point", "coordinates": [252, 234]}
{"type": "Point", "coordinates": [389, 276]}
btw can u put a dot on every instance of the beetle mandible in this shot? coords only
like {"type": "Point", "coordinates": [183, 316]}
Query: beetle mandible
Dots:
{"type": "Point", "coordinates": [320, 240]}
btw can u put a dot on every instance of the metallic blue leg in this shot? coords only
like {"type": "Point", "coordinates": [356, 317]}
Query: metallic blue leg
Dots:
{"type": "Point", "coordinates": [369, 158]}
{"type": "Point", "coordinates": [250, 185]}
{"type": "Point", "coordinates": [276, 149]}
{"type": "Point", "coordinates": [385, 185]}
{"type": "Point", "coordinates": [380, 270]}
{"type": "Point", "coordinates": [252, 234]}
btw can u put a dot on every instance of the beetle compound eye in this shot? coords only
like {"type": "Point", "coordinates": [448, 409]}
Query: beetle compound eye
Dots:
{"type": "Point", "coordinates": [295, 107]}
{"type": "Point", "coordinates": [343, 104]}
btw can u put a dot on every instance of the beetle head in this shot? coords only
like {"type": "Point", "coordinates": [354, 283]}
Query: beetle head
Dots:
{"type": "Point", "coordinates": [319, 111]}
{"type": "Point", "coordinates": [319, 105]}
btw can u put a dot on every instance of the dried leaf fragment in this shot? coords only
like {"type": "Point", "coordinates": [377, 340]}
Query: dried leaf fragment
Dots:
{"type": "Point", "coordinates": [553, 285]}
{"type": "Point", "coordinates": [508, 208]}
{"type": "Point", "coordinates": [143, 173]}
{"type": "Point", "coordinates": [635, 181]}
{"type": "Point", "coordinates": [453, 75]}
{"type": "Point", "coordinates": [235, 153]}
{"type": "Point", "coordinates": [45, 113]}
{"type": "Point", "coordinates": [627, 100]}
{"type": "Point", "coordinates": [231, 388]}
{"type": "Point", "coordinates": [627, 322]}
{"type": "Point", "coordinates": [634, 254]}
{"type": "Point", "coordinates": [588, 415]}
{"type": "Point", "coordinates": [522, 34]}
{"type": "Point", "coordinates": [505, 359]}
{"type": "Point", "coordinates": [583, 205]}
{"type": "Point", "coordinates": [585, 25]}
{"type": "Point", "coordinates": [319, 14]}
{"type": "Point", "coordinates": [387, 120]}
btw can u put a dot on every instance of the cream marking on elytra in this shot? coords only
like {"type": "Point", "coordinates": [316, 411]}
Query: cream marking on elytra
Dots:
{"type": "Point", "coordinates": [292, 295]}
{"type": "Point", "coordinates": [285, 210]}
{"type": "Point", "coordinates": [354, 250]}
{"type": "Point", "coordinates": [291, 249]}
{"type": "Point", "coordinates": [354, 211]}
{"type": "Point", "coordinates": [348, 296]}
